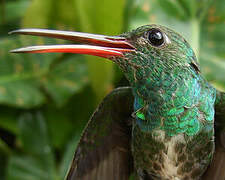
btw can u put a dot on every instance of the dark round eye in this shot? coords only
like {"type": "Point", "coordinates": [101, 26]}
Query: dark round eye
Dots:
{"type": "Point", "coordinates": [155, 37]}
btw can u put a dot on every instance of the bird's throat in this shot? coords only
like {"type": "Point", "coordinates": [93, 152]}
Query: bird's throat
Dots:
{"type": "Point", "coordinates": [168, 104]}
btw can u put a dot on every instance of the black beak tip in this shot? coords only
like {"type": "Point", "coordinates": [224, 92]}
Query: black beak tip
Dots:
{"type": "Point", "coordinates": [21, 50]}
{"type": "Point", "coordinates": [13, 51]}
{"type": "Point", "coordinates": [12, 32]}
{"type": "Point", "coordinates": [15, 31]}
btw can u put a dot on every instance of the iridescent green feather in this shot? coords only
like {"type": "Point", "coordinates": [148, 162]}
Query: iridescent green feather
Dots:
{"type": "Point", "coordinates": [167, 85]}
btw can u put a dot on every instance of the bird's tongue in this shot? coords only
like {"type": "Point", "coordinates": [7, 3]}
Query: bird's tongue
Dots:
{"type": "Point", "coordinates": [97, 45]}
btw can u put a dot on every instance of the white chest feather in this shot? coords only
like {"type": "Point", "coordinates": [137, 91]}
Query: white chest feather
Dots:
{"type": "Point", "coordinates": [170, 156]}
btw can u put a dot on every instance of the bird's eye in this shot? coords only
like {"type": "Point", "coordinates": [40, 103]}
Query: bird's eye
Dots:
{"type": "Point", "coordinates": [155, 37]}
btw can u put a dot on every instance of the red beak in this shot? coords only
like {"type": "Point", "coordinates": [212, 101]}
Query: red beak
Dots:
{"type": "Point", "coordinates": [97, 45]}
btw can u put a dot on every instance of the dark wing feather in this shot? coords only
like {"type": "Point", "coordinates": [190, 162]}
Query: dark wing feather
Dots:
{"type": "Point", "coordinates": [216, 170]}
{"type": "Point", "coordinates": [104, 150]}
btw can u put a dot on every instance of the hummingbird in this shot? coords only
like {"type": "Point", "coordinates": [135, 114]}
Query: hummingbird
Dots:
{"type": "Point", "coordinates": [168, 125]}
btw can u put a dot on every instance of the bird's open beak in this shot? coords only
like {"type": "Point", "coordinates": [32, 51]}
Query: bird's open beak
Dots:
{"type": "Point", "coordinates": [97, 45]}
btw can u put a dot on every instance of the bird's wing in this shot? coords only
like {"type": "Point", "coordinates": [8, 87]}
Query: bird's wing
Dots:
{"type": "Point", "coordinates": [104, 150]}
{"type": "Point", "coordinates": [216, 170]}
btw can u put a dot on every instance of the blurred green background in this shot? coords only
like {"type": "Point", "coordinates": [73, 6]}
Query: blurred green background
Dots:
{"type": "Point", "coordinates": [46, 99]}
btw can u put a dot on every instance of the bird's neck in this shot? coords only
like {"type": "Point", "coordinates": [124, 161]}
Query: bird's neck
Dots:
{"type": "Point", "coordinates": [166, 101]}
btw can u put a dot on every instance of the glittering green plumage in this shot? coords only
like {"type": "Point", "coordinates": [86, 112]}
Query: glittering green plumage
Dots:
{"type": "Point", "coordinates": [173, 132]}
{"type": "Point", "coordinates": [167, 84]}
{"type": "Point", "coordinates": [167, 131]}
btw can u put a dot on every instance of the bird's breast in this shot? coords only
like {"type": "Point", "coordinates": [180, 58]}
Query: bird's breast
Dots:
{"type": "Point", "coordinates": [163, 157]}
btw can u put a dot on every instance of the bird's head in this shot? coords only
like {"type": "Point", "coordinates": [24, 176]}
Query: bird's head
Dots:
{"type": "Point", "coordinates": [146, 53]}
{"type": "Point", "coordinates": [157, 51]}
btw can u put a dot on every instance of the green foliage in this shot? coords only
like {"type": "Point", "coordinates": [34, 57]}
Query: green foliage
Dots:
{"type": "Point", "coordinates": [38, 163]}
{"type": "Point", "coordinates": [21, 76]}
{"type": "Point", "coordinates": [46, 99]}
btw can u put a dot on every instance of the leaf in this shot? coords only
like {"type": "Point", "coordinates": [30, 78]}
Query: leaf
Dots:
{"type": "Point", "coordinates": [11, 12]}
{"type": "Point", "coordinates": [52, 13]}
{"type": "Point", "coordinates": [66, 78]}
{"type": "Point", "coordinates": [42, 9]}
{"type": "Point", "coordinates": [20, 75]}
{"type": "Point", "coordinates": [214, 67]}
{"type": "Point", "coordinates": [26, 168]}
{"type": "Point", "coordinates": [68, 155]}
{"type": "Point", "coordinates": [39, 161]}
{"type": "Point", "coordinates": [58, 121]}
{"type": "Point", "coordinates": [33, 132]}
{"type": "Point", "coordinates": [70, 118]}
{"type": "Point", "coordinates": [4, 147]}
{"type": "Point", "coordinates": [3, 164]}
{"type": "Point", "coordinates": [174, 9]}
{"type": "Point", "coordinates": [213, 43]}
{"type": "Point", "coordinates": [8, 120]}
